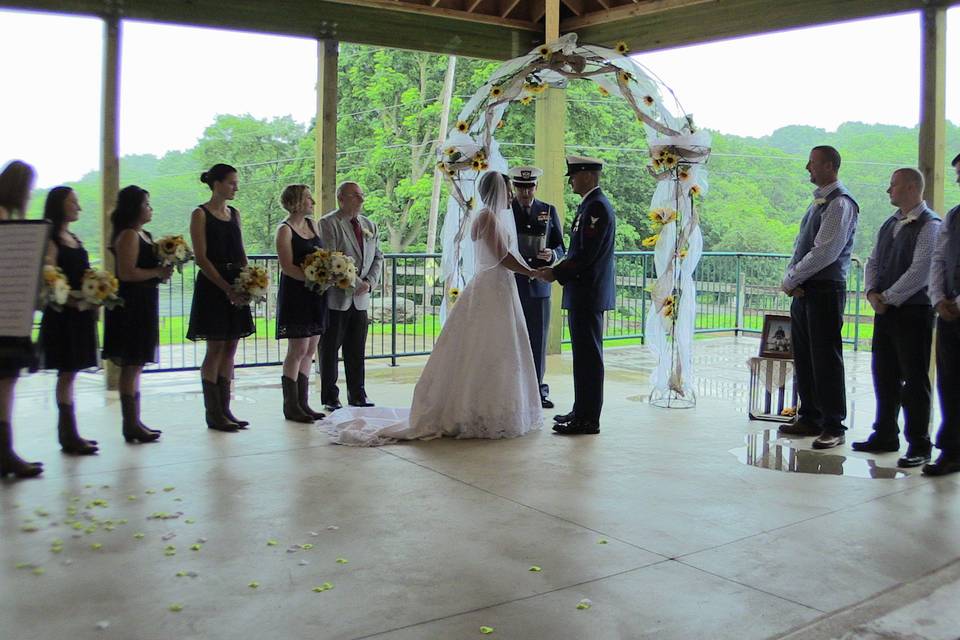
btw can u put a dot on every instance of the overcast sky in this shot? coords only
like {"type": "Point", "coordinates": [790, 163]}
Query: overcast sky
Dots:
{"type": "Point", "coordinates": [176, 79]}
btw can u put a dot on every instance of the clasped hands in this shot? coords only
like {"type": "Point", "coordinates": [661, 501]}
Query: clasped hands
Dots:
{"type": "Point", "coordinates": [948, 310]}
{"type": "Point", "coordinates": [876, 301]}
{"type": "Point", "coordinates": [544, 273]}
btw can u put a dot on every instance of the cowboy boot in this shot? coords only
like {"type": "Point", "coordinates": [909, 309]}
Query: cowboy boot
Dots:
{"type": "Point", "coordinates": [10, 462]}
{"type": "Point", "coordinates": [224, 384]}
{"type": "Point", "coordinates": [132, 430]}
{"type": "Point", "coordinates": [70, 440]}
{"type": "Point", "coordinates": [303, 391]}
{"type": "Point", "coordinates": [215, 417]}
{"type": "Point", "coordinates": [291, 404]}
{"type": "Point", "coordinates": [137, 397]}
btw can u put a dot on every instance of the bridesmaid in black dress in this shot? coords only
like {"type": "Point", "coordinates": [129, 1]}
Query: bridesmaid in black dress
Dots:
{"type": "Point", "coordinates": [218, 315]}
{"type": "Point", "coordinates": [16, 182]}
{"type": "Point", "coordinates": [68, 337]}
{"type": "Point", "coordinates": [131, 333]}
{"type": "Point", "coordinates": [301, 313]}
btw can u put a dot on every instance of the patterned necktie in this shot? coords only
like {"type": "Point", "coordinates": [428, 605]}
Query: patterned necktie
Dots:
{"type": "Point", "coordinates": [358, 233]}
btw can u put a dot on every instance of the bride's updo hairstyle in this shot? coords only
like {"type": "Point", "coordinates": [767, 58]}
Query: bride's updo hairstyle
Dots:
{"type": "Point", "coordinates": [493, 191]}
{"type": "Point", "coordinates": [216, 173]}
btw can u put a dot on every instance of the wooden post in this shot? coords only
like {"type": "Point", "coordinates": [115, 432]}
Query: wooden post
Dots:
{"type": "Point", "coordinates": [551, 124]}
{"type": "Point", "coordinates": [325, 172]}
{"type": "Point", "coordinates": [448, 82]}
{"type": "Point", "coordinates": [933, 104]}
{"type": "Point", "coordinates": [109, 151]}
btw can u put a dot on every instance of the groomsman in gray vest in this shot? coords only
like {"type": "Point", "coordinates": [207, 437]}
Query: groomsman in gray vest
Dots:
{"type": "Point", "coordinates": [896, 280]}
{"type": "Point", "coordinates": [817, 281]}
{"type": "Point", "coordinates": [356, 236]}
{"type": "Point", "coordinates": [540, 239]}
{"type": "Point", "coordinates": [945, 295]}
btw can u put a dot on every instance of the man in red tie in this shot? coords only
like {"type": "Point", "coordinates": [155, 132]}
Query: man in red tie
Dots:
{"type": "Point", "coordinates": [354, 235]}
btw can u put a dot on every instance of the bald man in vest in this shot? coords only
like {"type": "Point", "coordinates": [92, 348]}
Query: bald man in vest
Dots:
{"type": "Point", "coordinates": [896, 281]}
{"type": "Point", "coordinates": [817, 281]}
{"type": "Point", "coordinates": [945, 296]}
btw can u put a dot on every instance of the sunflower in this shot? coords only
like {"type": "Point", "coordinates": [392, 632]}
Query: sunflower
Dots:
{"type": "Point", "coordinates": [533, 87]}
{"type": "Point", "coordinates": [656, 163]}
{"type": "Point", "coordinates": [624, 76]}
{"type": "Point", "coordinates": [525, 100]}
{"type": "Point", "coordinates": [622, 48]}
{"type": "Point", "coordinates": [501, 124]}
{"type": "Point", "coordinates": [471, 203]}
{"type": "Point", "coordinates": [684, 172]}
{"type": "Point", "coordinates": [483, 166]}
{"type": "Point", "coordinates": [453, 294]}
{"type": "Point", "coordinates": [682, 254]}
{"type": "Point", "coordinates": [694, 190]}
{"type": "Point", "coordinates": [496, 91]}
{"type": "Point", "coordinates": [602, 91]}
{"type": "Point", "coordinates": [650, 241]}
{"type": "Point", "coordinates": [668, 307]}
{"type": "Point", "coordinates": [544, 52]}
{"type": "Point", "coordinates": [649, 101]}
{"type": "Point", "coordinates": [440, 166]}
{"type": "Point", "coordinates": [450, 151]}
{"type": "Point", "coordinates": [462, 126]}
{"type": "Point", "coordinates": [670, 161]}
{"type": "Point", "coordinates": [477, 164]}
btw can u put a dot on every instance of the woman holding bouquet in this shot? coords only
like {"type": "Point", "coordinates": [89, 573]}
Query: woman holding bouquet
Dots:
{"type": "Point", "coordinates": [16, 182]}
{"type": "Point", "coordinates": [131, 333]}
{"type": "Point", "coordinates": [219, 314]}
{"type": "Point", "coordinates": [68, 336]}
{"type": "Point", "coordinates": [301, 313]}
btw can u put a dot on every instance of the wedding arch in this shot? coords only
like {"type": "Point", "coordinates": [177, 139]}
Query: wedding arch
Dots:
{"type": "Point", "coordinates": [678, 156]}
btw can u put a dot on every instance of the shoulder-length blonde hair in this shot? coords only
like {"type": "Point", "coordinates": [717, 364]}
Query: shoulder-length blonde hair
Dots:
{"type": "Point", "coordinates": [16, 181]}
{"type": "Point", "coordinates": [292, 196]}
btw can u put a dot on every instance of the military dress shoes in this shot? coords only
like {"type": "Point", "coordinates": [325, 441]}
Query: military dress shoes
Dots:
{"type": "Point", "coordinates": [828, 440]}
{"type": "Point", "coordinates": [362, 403]}
{"type": "Point", "coordinates": [915, 457]}
{"type": "Point", "coordinates": [873, 444]}
{"type": "Point", "coordinates": [945, 464]}
{"type": "Point", "coordinates": [577, 426]}
{"type": "Point", "coordinates": [800, 428]}
{"type": "Point", "coordinates": [560, 418]}
{"type": "Point", "coordinates": [333, 406]}
{"type": "Point", "coordinates": [546, 403]}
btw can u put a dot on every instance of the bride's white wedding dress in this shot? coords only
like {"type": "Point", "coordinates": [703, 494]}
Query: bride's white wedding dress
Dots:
{"type": "Point", "coordinates": [480, 380]}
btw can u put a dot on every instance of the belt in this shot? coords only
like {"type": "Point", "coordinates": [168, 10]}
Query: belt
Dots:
{"type": "Point", "coordinates": [227, 266]}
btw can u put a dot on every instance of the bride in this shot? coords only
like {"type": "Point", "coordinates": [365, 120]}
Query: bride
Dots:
{"type": "Point", "coordinates": [479, 381]}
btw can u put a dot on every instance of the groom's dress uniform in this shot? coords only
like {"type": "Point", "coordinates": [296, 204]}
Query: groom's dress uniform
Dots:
{"type": "Point", "coordinates": [538, 228]}
{"type": "Point", "coordinates": [587, 276]}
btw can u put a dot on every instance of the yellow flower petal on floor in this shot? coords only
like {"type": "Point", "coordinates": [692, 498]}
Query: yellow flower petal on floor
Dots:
{"type": "Point", "coordinates": [535, 569]}
{"type": "Point", "coordinates": [138, 535]}
{"type": "Point", "coordinates": [196, 547]}
{"type": "Point", "coordinates": [39, 571]}
{"type": "Point", "coordinates": [169, 489]}
{"type": "Point", "coordinates": [584, 604]}
{"type": "Point", "coordinates": [131, 498]}
{"type": "Point", "coordinates": [176, 607]}
{"type": "Point", "coordinates": [486, 630]}
{"type": "Point", "coordinates": [272, 543]}
{"type": "Point", "coordinates": [253, 585]}
{"type": "Point", "coordinates": [603, 541]}
{"type": "Point", "coordinates": [307, 546]}
{"type": "Point", "coordinates": [342, 561]}
{"type": "Point", "coordinates": [96, 546]}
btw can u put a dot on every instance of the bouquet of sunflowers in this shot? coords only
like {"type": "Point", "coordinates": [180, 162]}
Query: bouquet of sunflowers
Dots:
{"type": "Point", "coordinates": [55, 290]}
{"type": "Point", "coordinates": [97, 289]}
{"type": "Point", "coordinates": [252, 284]}
{"type": "Point", "coordinates": [174, 251]}
{"type": "Point", "coordinates": [324, 269]}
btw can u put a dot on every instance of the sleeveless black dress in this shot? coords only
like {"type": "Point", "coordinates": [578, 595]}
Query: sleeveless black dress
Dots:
{"type": "Point", "coordinates": [131, 333]}
{"type": "Point", "coordinates": [212, 316]}
{"type": "Point", "coordinates": [68, 338]}
{"type": "Point", "coordinates": [301, 313]}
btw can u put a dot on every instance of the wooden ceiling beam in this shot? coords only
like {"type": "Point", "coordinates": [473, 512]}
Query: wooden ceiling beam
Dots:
{"type": "Point", "coordinates": [507, 6]}
{"type": "Point", "coordinates": [575, 6]}
{"type": "Point", "coordinates": [538, 9]}
{"type": "Point", "coordinates": [662, 24]}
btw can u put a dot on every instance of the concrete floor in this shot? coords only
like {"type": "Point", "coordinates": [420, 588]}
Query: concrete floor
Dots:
{"type": "Point", "coordinates": [654, 521]}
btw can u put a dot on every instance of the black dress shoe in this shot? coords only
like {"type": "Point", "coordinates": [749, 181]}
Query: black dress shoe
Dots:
{"type": "Point", "coordinates": [913, 459]}
{"type": "Point", "coordinates": [800, 428]}
{"type": "Point", "coordinates": [560, 418]}
{"type": "Point", "coordinates": [578, 426]}
{"type": "Point", "coordinates": [546, 403]}
{"type": "Point", "coordinates": [945, 464]}
{"type": "Point", "coordinates": [333, 406]}
{"type": "Point", "coordinates": [876, 445]}
{"type": "Point", "coordinates": [362, 403]}
{"type": "Point", "coordinates": [828, 440]}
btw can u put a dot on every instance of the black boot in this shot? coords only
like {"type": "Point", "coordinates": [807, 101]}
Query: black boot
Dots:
{"type": "Point", "coordinates": [137, 397]}
{"type": "Point", "coordinates": [224, 385]}
{"type": "Point", "coordinates": [211, 402]}
{"type": "Point", "coordinates": [70, 440]}
{"type": "Point", "coordinates": [10, 462]}
{"type": "Point", "coordinates": [291, 403]}
{"type": "Point", "coordinates": [132, 431]}
{"type": "Point", "coordinates": [303, 392]}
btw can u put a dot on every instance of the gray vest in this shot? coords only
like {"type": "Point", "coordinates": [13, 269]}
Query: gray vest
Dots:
{"type": "Point", "coordinates": [951, 257]}
{"type": "Point", "coordinates": [895, 254]}
{"type": "Point", "coordinates": [810, 226]}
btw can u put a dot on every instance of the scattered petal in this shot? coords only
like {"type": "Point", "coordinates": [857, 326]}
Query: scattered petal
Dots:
{"type": "Point", "coordinates": [24, 565]}
{"type": "Point", "coordinates": [29, 528]}
{"type": "Point", "coordinates": [39, 571]}
{"type": "Point", "coordinates": [138, 535]}
{"type": "Point", "coordinates": [105, 486]}
{"type": "Point", "coordinates": [332, 527]}
{"type": "Point", "coordinates": [314, 534]}
{"type": "Point", "coordinates": [196, 547]}
{"type": "Point", "coordinates": [254, 584]}
{"type": "Point", "coordinates": [181, 574]}
{"type": "Point", "coordinates": [189, 520]}
{"type": "Point", "coordinates": [131, 498]}
{"type": "Point", "coordinates": [176, 607]}
{"type": "Point", "coordinates": [178, 499]}
{"type": "Point", "coordinates": [486, 630]}
{"type": "Point", "coordinates": [307, 546]}
{"type": "Point", "coordinates": [56, 549]}
{"type": "Point", "coordinates": [535, 569]}
{"type": "Point", "coordinates": [122, 521]}
{"type": "Point", "coordinates": [303, 563]}
{"type": "Point", "coordinates": [271, 543]}
{"type": "Point", "coordinates": [603, 541]}
{"type": "Point", "coordinates": [42, 513]}
{"type": "Point", "coordinates": [149, 492]}
{"type": "Point", "coordinates": [103, 624]}
{"type": "Point", "coordinates": [342, 561]}
{"type": "Point", "coordinates": [168, 489]}
{"type": "Point", "coordinates": [586, 603]}
{"type": "Point", "coordinates": [77, 525]}
{"type": "Point", "coordinates": [96, 546]}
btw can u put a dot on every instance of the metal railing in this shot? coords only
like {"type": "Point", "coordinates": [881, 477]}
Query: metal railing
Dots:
{"type": "Point", "coordinates": [734, 292]}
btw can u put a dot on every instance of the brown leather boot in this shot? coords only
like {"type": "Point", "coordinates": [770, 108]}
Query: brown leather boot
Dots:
{"type": "Point", "coordinates": [10, 462]}
{"type": "Point", "coordinates": [303, 392]}
{"type": "Point", "coordinates": [70, 440]}
{"type": "Point", "coordinates": [137, 397]}
{"type": "Point", "coordinates": [291, 403]}
{"type": "Point", "coordinates": [224, 386]}
{"type": "Point", "coordinates": [132, 430]}
{"type": "Point", "coordinates": [215, 417]}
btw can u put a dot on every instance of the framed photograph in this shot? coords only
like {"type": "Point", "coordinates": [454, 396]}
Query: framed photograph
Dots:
{"type": "Point", "coordinates": [776, 341]}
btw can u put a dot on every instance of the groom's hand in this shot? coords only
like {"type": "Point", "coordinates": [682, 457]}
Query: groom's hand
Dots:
{"type": "Point", "coordinates": [546, 274]}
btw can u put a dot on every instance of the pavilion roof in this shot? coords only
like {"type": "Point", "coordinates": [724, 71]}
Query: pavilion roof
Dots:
{"type": "Point", "coordinates": [490, 28]}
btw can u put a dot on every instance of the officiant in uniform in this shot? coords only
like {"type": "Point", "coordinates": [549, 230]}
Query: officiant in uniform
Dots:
{"type": "Point", "coordinates": [540, 239]}
{"type": "Point", "coordinates": [588, 278]}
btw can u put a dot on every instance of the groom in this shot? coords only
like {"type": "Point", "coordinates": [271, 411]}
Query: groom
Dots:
{"type": "Point", "coordinates": [587, 276]}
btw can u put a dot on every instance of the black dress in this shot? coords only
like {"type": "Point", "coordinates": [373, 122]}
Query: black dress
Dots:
{"type": "Point", "coordinates": [212, 316]}
{"type": "Point", "coordinates": [131, 333]}
{"type": "Point", "coordinates": [68, 338]}
{"type": "Point", "coordinates": [301, 313]}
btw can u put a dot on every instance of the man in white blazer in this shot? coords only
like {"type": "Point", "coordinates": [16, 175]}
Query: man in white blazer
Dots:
{"type": "Point", "coordinates": [354, 235]}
